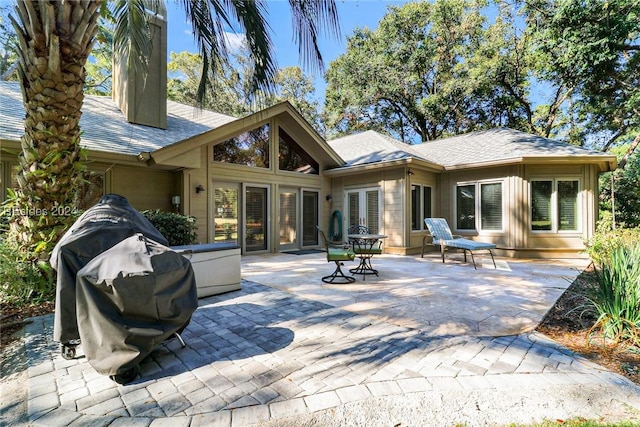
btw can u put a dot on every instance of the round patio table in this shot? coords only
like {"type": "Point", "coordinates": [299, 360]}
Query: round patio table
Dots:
{"type": "Point", "coordinates": [365, 247]}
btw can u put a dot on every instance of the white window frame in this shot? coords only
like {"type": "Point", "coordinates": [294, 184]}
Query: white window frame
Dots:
{"type": "Point", "coordinates": [477, 206]}
{"type": "Point", "coordinates": [554, 205]}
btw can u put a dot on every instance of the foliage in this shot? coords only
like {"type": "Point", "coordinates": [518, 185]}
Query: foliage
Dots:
{"type": "Point", "coordinates": [606, 240]}
{"type": "Point", "coordinates": [626, 193]}
{"type": "Point", "coordinates": [23, 277]}
{"type": "Point", "coordinates": [433, 69]}
{"type": "Point", "coordinates": [42, 225]}
{"type": "Point", "coordinates": [566, 70]}
{"type": "Point", "coordinates": [615, 296]}
{"type": "Point", "coordinates": [8, 46]}
{"type": "Point", "coordinates": [228, 91]}
{"type": "Point", "coordinates": [594, 47]}
{"type": "Point", "coordinates": [177, 229]}
{"type": "Point", "coordinates": [409, 76]}
{"type": "Point", "coordinates": [99, 67]}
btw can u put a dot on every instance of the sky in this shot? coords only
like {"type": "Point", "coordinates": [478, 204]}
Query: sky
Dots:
{"type": "Point", "coordinates": [352, 13]}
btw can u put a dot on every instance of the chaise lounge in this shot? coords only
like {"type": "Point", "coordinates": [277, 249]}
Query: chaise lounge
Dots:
{"type": "Point", "coordinates": [441, 234]}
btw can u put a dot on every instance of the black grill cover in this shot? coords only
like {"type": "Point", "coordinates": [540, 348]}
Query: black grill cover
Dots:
{"type": "Point", "coordinates": [101, 227]}
{"type": "Point", "coordinates": [129, 299]}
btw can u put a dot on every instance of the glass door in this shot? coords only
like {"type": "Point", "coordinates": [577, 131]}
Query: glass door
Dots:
{"type": "Point", "coordinates": [288, 219]}
{"type": "Point", "coordinates": [363, 207]}
{"type": "Point", "coordinates": [225, 208]}
{"type": "Point", "coordinates": [310, 208]}
{"type": "Point", "coordinates": [256, 218]}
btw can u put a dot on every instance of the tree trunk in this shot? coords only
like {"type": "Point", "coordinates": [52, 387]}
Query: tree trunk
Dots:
{"type": "Point", "coordinates": [55, 40]}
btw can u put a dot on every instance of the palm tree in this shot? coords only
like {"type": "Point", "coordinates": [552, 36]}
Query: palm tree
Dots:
{"type": "Point", "coordinates": [56, 39]}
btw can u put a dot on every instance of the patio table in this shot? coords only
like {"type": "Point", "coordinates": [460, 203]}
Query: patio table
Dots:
{"type": "Point", "coordinates": [365, 247]}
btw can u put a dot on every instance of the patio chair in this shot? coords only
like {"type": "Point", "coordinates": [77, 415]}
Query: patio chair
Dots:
{"type": "Point", "coordinates": [441, 235]}
{"type": "Point", "coordinates": [337, 253]}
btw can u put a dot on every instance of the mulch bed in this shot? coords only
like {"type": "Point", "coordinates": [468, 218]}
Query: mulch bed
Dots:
{"type": "Point", "coordinates": [12, 319]}
{"type": "Point", "coordinates": [567, 324]}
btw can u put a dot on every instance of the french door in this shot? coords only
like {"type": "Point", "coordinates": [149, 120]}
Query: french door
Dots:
{"type": "Point", "coordinates": [364, 207]}
{"type": "Point", "coordinates": [297, 218]}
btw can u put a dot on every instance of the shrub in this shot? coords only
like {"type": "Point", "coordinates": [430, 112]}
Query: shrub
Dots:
{"type": "Point", "coordinates": [614, 298]}
{"type": "Point", "coordinates": [23, 277]}
{"type": "Point", "coordinates": [177, 229]}
{"type": "Point", "coordinates": [606, 240]}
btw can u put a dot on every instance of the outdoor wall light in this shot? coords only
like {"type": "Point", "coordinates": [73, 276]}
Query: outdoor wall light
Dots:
{"type": "Point", "coordinates": [329, 198]}
{"type": "Point", "coordinates": [410, 172]}
{"type": "Point", "coordinates": [199, 189]}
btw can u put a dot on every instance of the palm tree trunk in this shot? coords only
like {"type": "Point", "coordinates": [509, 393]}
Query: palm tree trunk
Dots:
{"type": "Point", "coordinates": [55, 40]}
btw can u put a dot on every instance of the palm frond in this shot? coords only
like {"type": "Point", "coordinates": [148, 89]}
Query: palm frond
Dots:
{"type": "Point", "coordinates": [207, 20]}
{"type": "Point", "coordinates": [132, 35]}
{"type": "Point", "coordinates": [311, 18]}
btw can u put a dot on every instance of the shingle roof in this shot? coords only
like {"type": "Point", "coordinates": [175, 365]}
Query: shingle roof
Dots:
{"type": "Point", "coordinates": [105, 128]}
{"type": "Point", "coordinates": [494, 145]}
{"type": "Point", "coordinates": [371, 147]}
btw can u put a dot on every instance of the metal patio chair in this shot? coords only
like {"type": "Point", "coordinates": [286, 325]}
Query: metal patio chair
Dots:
{"type": "Point", "coordinates": [337, 253]}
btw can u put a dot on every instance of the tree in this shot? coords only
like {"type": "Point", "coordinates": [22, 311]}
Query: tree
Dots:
{"type": "Point", "coordinates": [56, 38]}
{"type": "Point", "coordinates": [595, 47]}
{"type": "Point", "coordinates": [625, 183]}
{"type": "Point", "coordinates": [439, 68]}
{"type": "Point", "coordinates": [436, 69]}
{"type": "Point", "coordinates": [229, 88]}
{"type": "Point", "coordinates": [8, 46]}
{"type": "Point", "coordinates": [410, 76]}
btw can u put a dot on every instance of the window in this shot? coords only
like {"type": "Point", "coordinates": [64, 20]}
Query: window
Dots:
{"type": "Point", "coordinates": [291, 157]}
{"type": "Point", "coordinates": [554, 205]}
{"type": "Point", "coordinates": [249, 149]}
{"type": "Point", "coordinates": [420, 206]}
{"type": "Point", "coordinates": [484, 212]}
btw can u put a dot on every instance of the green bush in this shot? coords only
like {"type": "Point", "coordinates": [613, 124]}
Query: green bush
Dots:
{"type": "Point", "coordinates": [177, 229]}
{"type": "Point", "coordinates": [606, 240]}
{"type": "Point", "coordinates": [24, 278]}
{"type": "Point", "coordinates": [614, 298]}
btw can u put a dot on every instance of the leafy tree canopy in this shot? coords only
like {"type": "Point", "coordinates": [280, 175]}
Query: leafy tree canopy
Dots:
{"type": "Point", "coordinates": [229, 87]}
{"type": "Point", "coordinates": [594, 46]}
{"type": "Point", "coordinates": [411, 75]}
{"type": "Point", "coordinates": [561, 69]}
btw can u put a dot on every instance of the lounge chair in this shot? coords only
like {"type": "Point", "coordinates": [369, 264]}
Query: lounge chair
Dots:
{"type": "Point", "coordinates": [441, 234]}
{"type": "Point", "coordinates": [337, 253]}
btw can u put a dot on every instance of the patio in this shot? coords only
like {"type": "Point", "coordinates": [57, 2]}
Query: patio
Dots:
{"type": "Point", "coordinates": [287, 349]}
{"type": "Point", "coordinates": [425, 294]}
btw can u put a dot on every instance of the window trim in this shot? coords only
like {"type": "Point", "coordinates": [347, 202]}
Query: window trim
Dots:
{"type": "Point", "coordinates": [554, 205]}
{"type": "Point", "coordinates": [478, 206]}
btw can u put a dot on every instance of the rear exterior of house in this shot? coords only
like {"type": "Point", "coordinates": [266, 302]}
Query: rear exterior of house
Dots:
{"type": "Point", "coordinates": [265, 181]}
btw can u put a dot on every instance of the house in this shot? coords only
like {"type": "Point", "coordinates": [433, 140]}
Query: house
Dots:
{"type": "Point", "coordinates": [266, 180]}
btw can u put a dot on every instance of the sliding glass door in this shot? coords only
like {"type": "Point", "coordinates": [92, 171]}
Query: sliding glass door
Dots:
{"type": "Point", "coordinates": [256, 218]}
